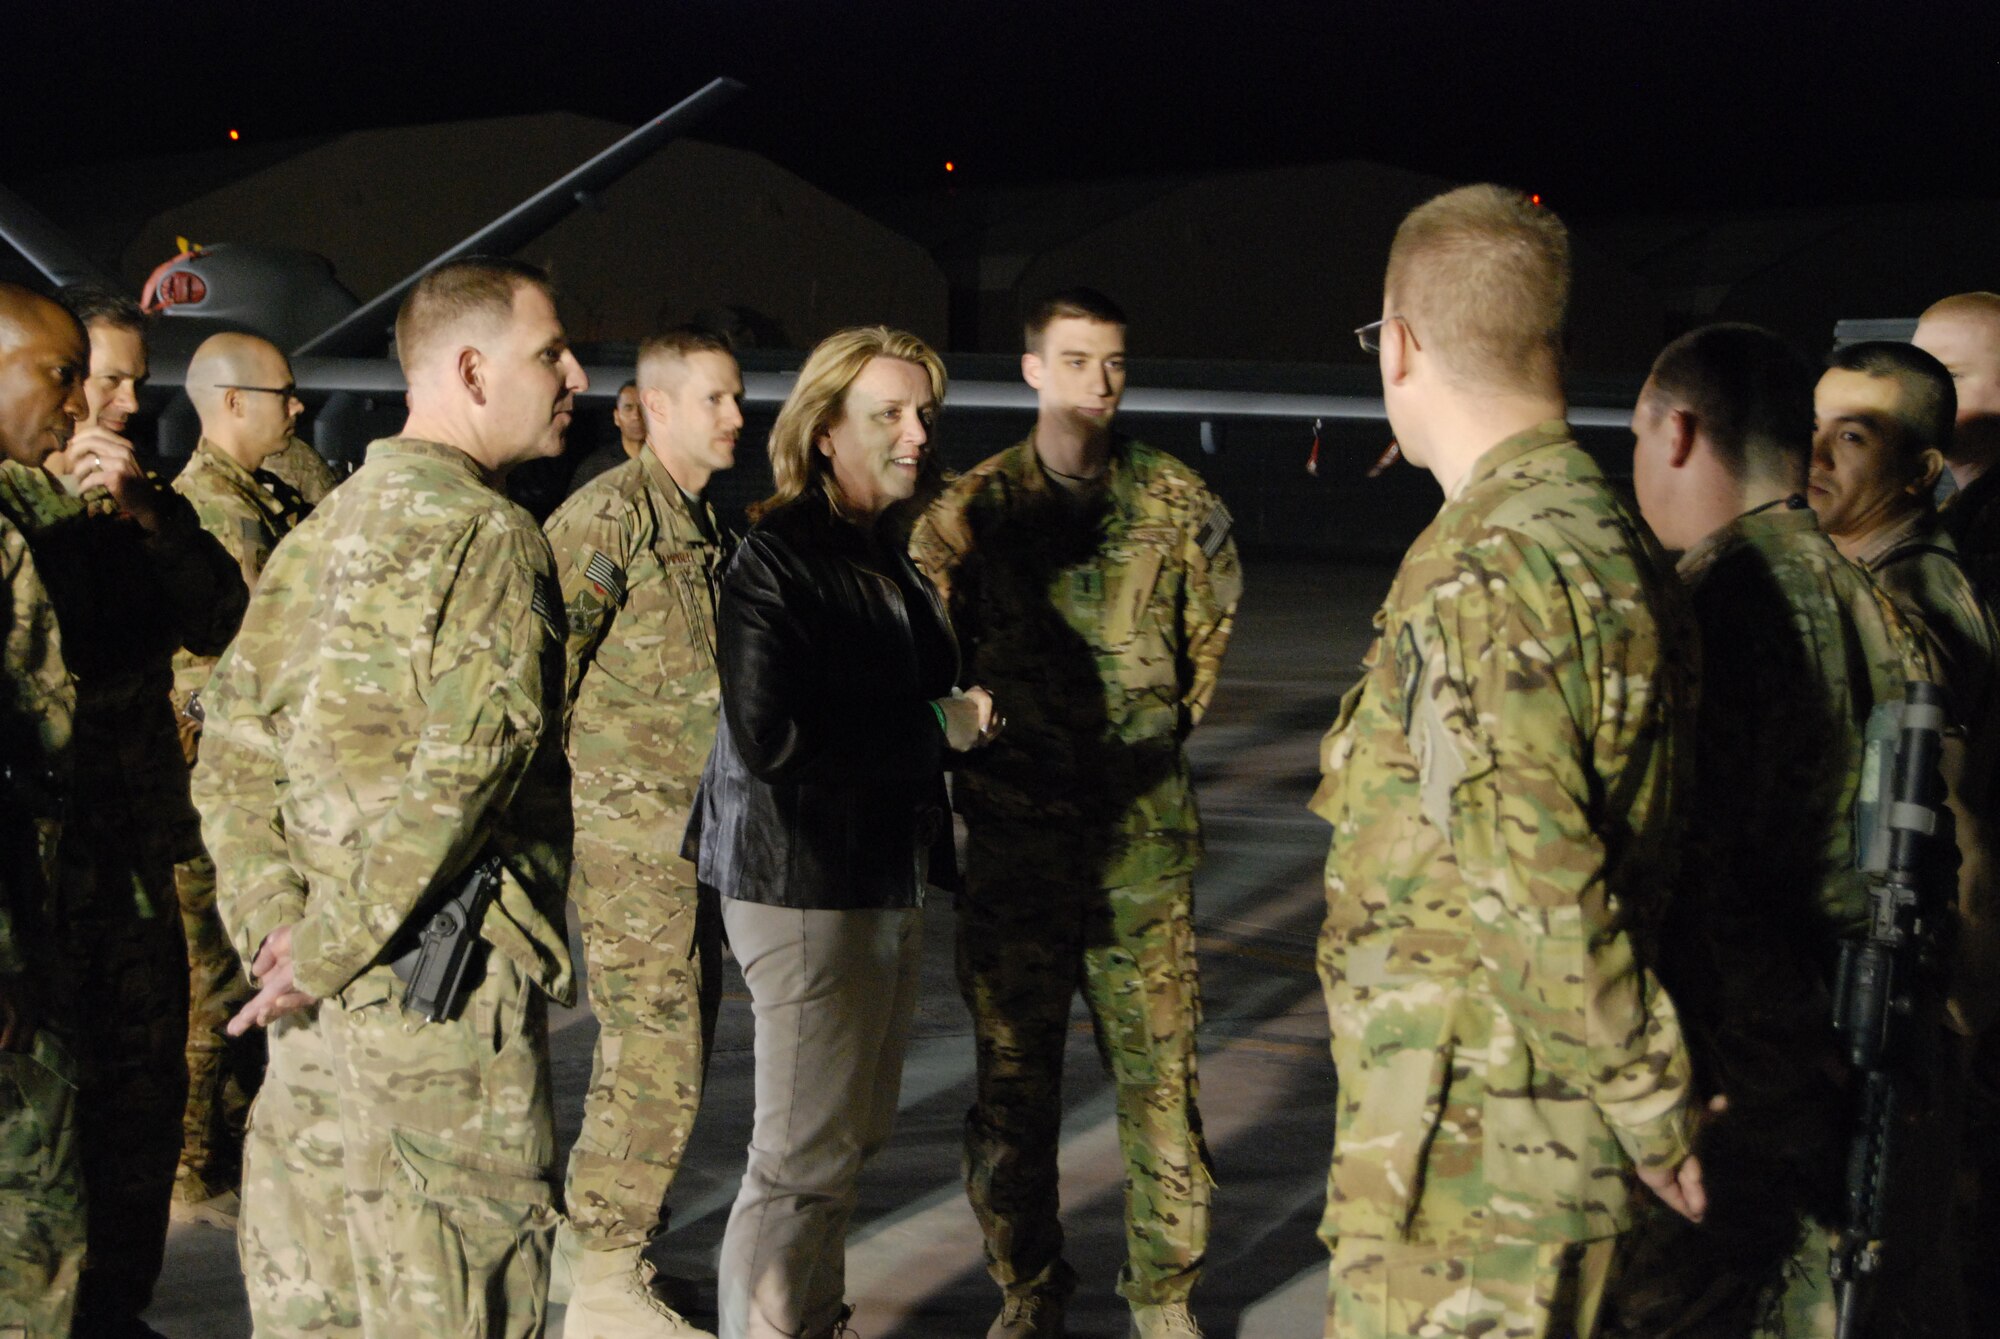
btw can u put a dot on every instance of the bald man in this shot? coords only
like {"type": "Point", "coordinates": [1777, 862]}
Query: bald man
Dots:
{"type": "Point", "coordinates": [242, 390]}
{"type": "Point", "coordinates": [134, 579]}
{"type": "Point", "coordinates": [1963, 332]}
{"type": "Point", "coordinates": [42, 367]}
{"type": "Point", "coordinates": [387, 724]}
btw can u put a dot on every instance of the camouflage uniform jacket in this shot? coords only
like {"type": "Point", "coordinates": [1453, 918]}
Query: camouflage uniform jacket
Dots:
{"type": "Point", "coordinates": [37, 704]}
{"type": "Point", "coordinates": [1099, 623]}
{"type": "Point", "coordinates": [1503, 786]}
{"type": "Point", "coordinates": [389, 712]}
{"type": "Point", "coordinates": [1798, 647]}
{"type": "Point", "coordinates": [1920, 566]}
{"type": "Point", "coordinates": [126, 601]}
{"type": "Point", "coordinates": [639, 562]}
{"type": "Point", "coordinates": [247, 514]}
{"type": "Point", "coordinates": [1972, 517]}
{"type": "Point", "coordinates": [302, 469]}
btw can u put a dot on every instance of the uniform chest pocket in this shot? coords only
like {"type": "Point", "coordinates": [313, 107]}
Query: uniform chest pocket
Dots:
{"type": "Point", "coordinates": [666, 628]}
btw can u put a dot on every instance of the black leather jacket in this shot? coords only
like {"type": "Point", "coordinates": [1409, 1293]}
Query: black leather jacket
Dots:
{"type": "Point", "coordinates": [825, 789]}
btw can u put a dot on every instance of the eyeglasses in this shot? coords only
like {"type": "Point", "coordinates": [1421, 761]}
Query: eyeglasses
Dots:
{"type": "Point", "coordinates": [1370, 335]}
{"type": "Point", "coordinates": [289, 392]}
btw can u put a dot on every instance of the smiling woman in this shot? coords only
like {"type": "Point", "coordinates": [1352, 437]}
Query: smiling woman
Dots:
{"type": "Point", "coordinates": [821, 817]}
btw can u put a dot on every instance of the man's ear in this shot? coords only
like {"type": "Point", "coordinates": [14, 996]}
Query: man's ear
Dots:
{"type": "Point", "coordinates": [472, 373]}
{"type": "Point", "coordinates": [653, 400]}
{"type": "Point", "coordinates": [1929, 466]}
{"type": "Point", "coordinates": [1681, 428]}
{"type": "Point", "coordinates": [1397, 353]}
{"type": "Point", "coordinates": [1031, 369]}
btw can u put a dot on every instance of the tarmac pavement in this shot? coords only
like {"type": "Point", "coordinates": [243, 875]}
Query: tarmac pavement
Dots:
{"type": "Point", "coordinates": [914, 1263]}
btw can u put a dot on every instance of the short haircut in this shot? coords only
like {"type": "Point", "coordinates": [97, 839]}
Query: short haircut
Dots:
{"type": "Point", "coordinates": [1082, 304]}
{"type": "Point", "coordinates": [94, 304]}
{"type": "Point", "coordinates": [1481, 277]}
{"type": "Point", "coordinates": [1929, 401]}
{"type": "Point", "coordinates": [1978, 306]}
{"type": "Point", "coordinates": [475, 288]}
{"type": "Point", "coordinates": [1751, 395]}
{"type": "Point", "coordinates": [628, 386]}
{"type": "Point", "coordinates": [659, 353]}
{"type": "Point", "coordinates": [819, 398]}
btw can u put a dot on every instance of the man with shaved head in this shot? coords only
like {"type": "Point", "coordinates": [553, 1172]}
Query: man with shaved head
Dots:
{"type": "Point", "coordinates": [641, 553]}
{"type": "Point", "coordinates": [385, 732]}
{"type": "Point", "coordinates": [42, 365]}
{"type": "Point", "coordinates": [241, 386]}
{"type": "Point", "coordinates": [1963, 333]}
{"type": "Point", "coordinates": [134, 579]}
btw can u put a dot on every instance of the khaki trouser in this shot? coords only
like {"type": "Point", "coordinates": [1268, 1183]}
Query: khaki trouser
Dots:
{"type": "Point", "coordinates": [398, 1174]}
{"type": "Point", "coordinates": [832, 993]}
{"type": "Point", "coordinates": [1024, 950]}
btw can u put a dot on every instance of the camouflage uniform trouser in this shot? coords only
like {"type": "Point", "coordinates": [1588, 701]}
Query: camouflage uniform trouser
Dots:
{"type": "Point", "coordinates": [223, 1071]}
{"type": "Point", "coordinates": [1396, 1290]}
{"type": "Point", "coordinates": [653, 945]}
{"type": "Point", "coordinates": [397, 1178]}
{"type": "Point", "coordinates": [127, 974]}
{"type": "Point", "coordinates": [41, 1192]}
{"type": "Point", "coordinates": [1024, 949]}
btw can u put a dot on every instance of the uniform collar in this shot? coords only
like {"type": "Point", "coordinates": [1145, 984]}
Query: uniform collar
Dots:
{"type": "Point", "coordinates": [683, 511]}
{"type": "Point", "coordinates": [1762, 523]}
{"type": "Point", "coordinates": [437, 451]}
{"type": "Point", "coordinates": [213, 459]}
{"type": "Point", "coordinates": [1919, 527]}
{"type": "Point", "coordinates": [1506, 455]}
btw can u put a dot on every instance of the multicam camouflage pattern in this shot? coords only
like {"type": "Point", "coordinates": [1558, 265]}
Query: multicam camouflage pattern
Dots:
{"type": "Point", "coordinates": [1022, 947]}
{"type": "Point", "coordinates": [1099, 621]}
{"type": "Point", "coordinates": [41, 1177]}
{"type": "Point", "coordinates": [1769, 886]}
{"type": "Point", "coordinates": [639, 563]}
{"type": "Point", "coordinates": [247, 514]}
{"type": "Point", "coordinates": [387, 714]}
{"type": "Point", "coordinates": [302, 469]}
{"type": "Point", "coordinates": [126, 600]}
{"type": "Point", "coordinates": [1387, 1290]}
{"type": "Point", "coordinates": [397, 1178]}
{"type": "Point", "coordinates": [1503, 786]}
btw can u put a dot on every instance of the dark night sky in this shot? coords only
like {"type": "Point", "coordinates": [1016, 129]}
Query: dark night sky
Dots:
{"type": "Point", "coordinates": [1605, 108]}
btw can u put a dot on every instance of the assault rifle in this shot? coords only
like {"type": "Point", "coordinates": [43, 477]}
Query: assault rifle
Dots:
{"type": "Point", "coordinates": [1889, 991]}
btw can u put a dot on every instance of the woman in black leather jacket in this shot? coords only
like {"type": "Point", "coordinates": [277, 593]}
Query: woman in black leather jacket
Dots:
{"type": "Point", "coordinates": [822, 812]}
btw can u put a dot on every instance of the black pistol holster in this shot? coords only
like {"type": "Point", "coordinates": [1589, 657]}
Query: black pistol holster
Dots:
{"type": "Point", "coordinates": [446, 962]}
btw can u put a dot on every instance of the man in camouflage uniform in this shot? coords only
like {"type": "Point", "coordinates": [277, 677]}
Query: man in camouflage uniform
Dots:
{"type": "Point", "coordinates": [1798, 647]}
{"type": "Point", "coordinates": [302, 469]}
{"type": "Point", "coordinates": [42, 368]}
{"type": "Point", "coordinates": [1093, 583]}
{"type": "Point", "coordinates": [1963, 333]}
{"type": "Point", "coordinates": [386, 721]}
{"type": "Point", "coordinates": [639, 554]}
{"type": "Point", "coordinates": [133, 579]}
{"type": "Point", "coordinates": [628, 416]}
{"type": "Point", "coordinates": [1503, 786]}
{"type": "Point", "coordinates": [241, 387]}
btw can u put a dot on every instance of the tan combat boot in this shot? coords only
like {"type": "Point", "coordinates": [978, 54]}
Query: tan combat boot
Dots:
{"type": "Point", "coordinates": [1169, 1320]}
{"type": "Point", "coordinates": [1034, 1315]}
{"type": "Point", "coordinates": [609, 1299]}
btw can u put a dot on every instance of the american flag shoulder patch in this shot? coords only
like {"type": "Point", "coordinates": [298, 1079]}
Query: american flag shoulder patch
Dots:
{"type": "Point", "coordinates": [607, 576]}
{"type": "Point", "coordinates": [542, 605]}
{"type": "Point", "coordinates": [1214, 530]}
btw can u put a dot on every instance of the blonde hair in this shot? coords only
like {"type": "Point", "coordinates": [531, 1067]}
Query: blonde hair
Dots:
{"type": "Point", "coordinates": [818, 398]}
{"type": "Point", "coordinates": [1481, 276]}
{"type": "Point", "coordinates": [474, 290]}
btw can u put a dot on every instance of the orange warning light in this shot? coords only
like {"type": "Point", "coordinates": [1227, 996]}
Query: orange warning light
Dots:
{"type": "Point", "coordinates": [950, 166]}
{"type": "Point", "coordinates": [235, 134]}
{"type": "Point", "coordinates": [1534, 199]}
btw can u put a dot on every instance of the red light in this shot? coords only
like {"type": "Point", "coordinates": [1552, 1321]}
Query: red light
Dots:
{"type": "Point", "coordinates": [1534, 199]}
{"type": "Point", "coordinates": [950, 166]}
{"type": "Point", "coordinates": [235, 134]}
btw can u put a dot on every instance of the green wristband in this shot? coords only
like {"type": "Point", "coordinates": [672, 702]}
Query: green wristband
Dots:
{"type": "Point", "coordinates": [939, 713]}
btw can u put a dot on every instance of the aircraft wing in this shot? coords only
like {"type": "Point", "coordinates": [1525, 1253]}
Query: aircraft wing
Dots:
{"type": "Point", "coordinates": [363, 329]}
{"type": "Point", "coordinates": [44, 246]}
{"type": "Point", "coordinates": [378, 377]}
